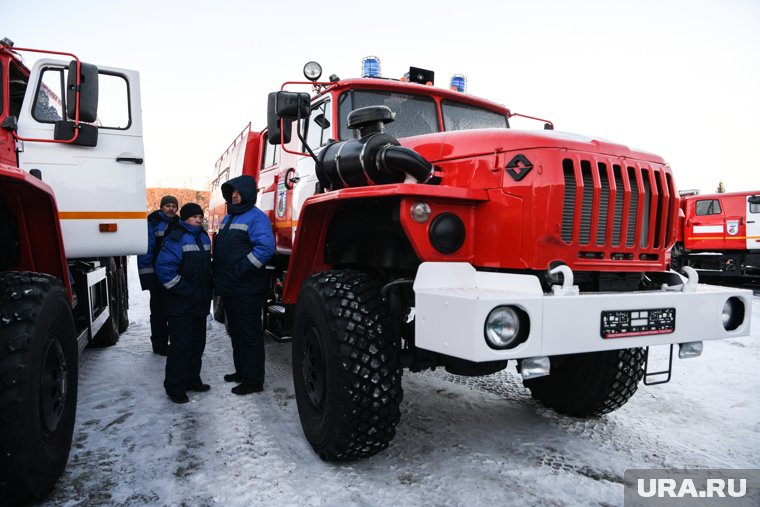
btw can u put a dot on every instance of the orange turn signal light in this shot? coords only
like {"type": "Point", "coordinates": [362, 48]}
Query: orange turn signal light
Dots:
{"type": "Point", "coordinates": [107, 227]}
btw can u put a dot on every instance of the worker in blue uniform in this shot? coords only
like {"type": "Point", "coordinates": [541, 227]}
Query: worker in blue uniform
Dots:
{"type": "Point", "coordinates": [158, 222]}
{"type": "Point", "coordinates": [242, 248]}
{"type": "Point", "coordinates": [183, 266]}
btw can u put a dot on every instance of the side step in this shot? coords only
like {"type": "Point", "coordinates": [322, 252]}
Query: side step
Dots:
{"type": "Point", "coordinates": [649, 376]}
{"type": "Point", "coordinates": [274, 321]}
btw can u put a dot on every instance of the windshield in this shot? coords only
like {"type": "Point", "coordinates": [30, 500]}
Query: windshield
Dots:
{"type": "Point", "coordinates": [415, 114]}
{"type": "Point", "coordinates": [458, 116]}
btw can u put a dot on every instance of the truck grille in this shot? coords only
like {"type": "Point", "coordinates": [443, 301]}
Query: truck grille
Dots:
{"type": "Point", "coordinates": [611, 205]}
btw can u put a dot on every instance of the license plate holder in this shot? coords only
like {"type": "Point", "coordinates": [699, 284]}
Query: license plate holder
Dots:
{"type": "Point", "coordinates": [645, 322]}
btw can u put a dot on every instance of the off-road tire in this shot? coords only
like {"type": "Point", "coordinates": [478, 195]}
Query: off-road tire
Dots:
{"type": "Point", "coordinates": [108, 335]}
{"type": "Point", "coordinates": [218, 309]}
{"type": "Point", "coordinates": [38, 385]}
{"type": "Point", "coordinates": [123, 297]}
{"type": "Point", "coordinates": [346, 370]}
{"type": "Point", "coordinates": [590, 384]}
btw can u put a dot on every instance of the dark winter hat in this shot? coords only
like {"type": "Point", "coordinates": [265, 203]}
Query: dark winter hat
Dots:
{"type": "Point", "coordinates": [168, 199]}
{"type": "Point", "coordinates": [189, 210]}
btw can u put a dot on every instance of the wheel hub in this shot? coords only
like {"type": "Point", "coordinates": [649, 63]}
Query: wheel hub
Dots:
{"type": "Point", "coordinates": [313, 368]}
{"type": "Point", "coordinates": [53, 386]}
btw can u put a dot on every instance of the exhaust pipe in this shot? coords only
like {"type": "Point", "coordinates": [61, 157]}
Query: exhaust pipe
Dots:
{"type": "Point", "coordinates": [376, 158]}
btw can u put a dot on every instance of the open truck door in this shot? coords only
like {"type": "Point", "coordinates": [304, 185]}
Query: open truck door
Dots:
{"type": "Point", "coordinates": [107, 156]}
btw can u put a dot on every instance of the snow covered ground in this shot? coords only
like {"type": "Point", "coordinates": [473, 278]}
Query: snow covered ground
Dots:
{"type": "Point", "coordinates": [461, 441]}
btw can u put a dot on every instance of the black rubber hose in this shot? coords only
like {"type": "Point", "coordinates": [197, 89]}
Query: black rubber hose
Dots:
{"type": "Point", "coordinates": [395, 159]}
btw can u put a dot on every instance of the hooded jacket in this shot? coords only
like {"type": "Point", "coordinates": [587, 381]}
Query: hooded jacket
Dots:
{"type": "Point", "coordinates": [183, 266]}
{"type": "Point", "coordinates": [157, 225]}
{"type": "Point", "coordinates": [244, 243]}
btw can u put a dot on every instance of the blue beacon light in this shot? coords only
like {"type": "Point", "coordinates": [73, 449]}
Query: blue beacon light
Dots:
{"type": "Point", "coordinates": [458, 83]}
{"type": "Point", "coordinates": [371, 67]}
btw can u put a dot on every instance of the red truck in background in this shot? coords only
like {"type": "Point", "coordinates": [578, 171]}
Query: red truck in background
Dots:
{"type": "Point", "coordinates": [720, 234]}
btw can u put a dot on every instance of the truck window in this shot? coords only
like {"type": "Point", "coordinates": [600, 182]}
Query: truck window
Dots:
{"type": "Point", "coordinates": [49, 102]}
{"type": "Point", "coordinates": [458, 116]}
{"type": "Point", "coordinates": [754, 207]}
{"type": "Point", "coordinates": [708, 207]}
{"type": "Point", "coordinates": [271, 153]}
{"type": "Point", "coordinates": [319, 126]}
{"type": "Point", "coordinates": [17, 82]}
{"type": "Point", "coordinates": [113, 99]}
{"type": "Point", "coordinates": [415, 114]}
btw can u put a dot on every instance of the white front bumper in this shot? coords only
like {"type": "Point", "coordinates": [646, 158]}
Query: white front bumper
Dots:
{"type": "Point", "coordinates": [453, 301]}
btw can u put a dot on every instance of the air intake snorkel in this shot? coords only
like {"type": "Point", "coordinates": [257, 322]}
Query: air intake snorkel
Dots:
{"type": "Point", "coordinates": [376, 158]}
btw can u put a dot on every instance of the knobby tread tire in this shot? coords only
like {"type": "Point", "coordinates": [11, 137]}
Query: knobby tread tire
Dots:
{"type": "Point", "coordinates": [108, 334]}
{"type": "Point", "coordinates": [38, 377]}
{"type": "Point", "coordinates": [362, 372]}
{"type": "Point", "coordinates": [123, 296]}
{"type": "Point", "coordinates": [590, 384]}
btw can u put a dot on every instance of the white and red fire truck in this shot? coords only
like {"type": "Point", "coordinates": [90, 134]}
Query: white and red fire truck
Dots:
{"type": "Point", "coordinates": [72, 206]}
{"type": "Point", "coordinates": [720, 234]}
{"type": "Point", "coordinates": [415, 229]}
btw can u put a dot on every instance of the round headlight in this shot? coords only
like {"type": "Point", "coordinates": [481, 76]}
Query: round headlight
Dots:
{"type": "Point", "coordinates": [420, 212]}
{"type": "Point", "coordinates": [502, 327]}
{"type": "Point", "coordinates": [733, 313]}
{"type": "Point", "coordinates": [312, 71]}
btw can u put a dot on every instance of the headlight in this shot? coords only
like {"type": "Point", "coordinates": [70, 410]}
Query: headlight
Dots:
{"type": "Point", "coordinates": [312, 71]}
{"type": "Point", "coordinates": [733, 313]}
{"type": "Point", "coordinates": [420, 212]}
{"type": "Point", "coordinates": [506, 327]}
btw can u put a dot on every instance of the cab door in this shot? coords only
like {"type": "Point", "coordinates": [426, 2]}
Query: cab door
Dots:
{"type": "Point", "coordinates": [753, 222]}
{"type": "Point", "coordinates": [100, 190]}
{"type": "Point", "coordinates": [705, 225]}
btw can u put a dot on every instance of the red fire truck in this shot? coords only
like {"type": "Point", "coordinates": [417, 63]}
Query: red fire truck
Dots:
{"type": "Point", "coordinates": [415, 229]}
{"type": "Point", "coordinates": [72, 206]}
{"type": "Point", "coordinates": [720, 234]}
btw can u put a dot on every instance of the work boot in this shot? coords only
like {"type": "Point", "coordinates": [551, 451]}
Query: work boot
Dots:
{"type": "Point", "coordinates": [199, 388]}
{"type": "Point", "coordinates": [247, 389]}
{"type": "Point", "coordinates": [233, 377]}
{"type": "Point", "coordinates": [178, 398]}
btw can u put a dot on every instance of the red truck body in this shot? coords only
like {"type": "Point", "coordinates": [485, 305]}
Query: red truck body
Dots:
{"type": "Point", "coordinates": [720, 234]}
{"type": "Point", "coordinates": [420, 231]}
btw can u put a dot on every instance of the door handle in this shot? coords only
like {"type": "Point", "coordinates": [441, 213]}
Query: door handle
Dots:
{"type": "Point", "coordinates": [128, 157]}
{"type": "Point", "coordinates": [750, 221]}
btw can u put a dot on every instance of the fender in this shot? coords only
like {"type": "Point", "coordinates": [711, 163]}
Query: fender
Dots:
{"type": "Point", "coordinates": [32, 202]}
{"type": "Point", "coordinates": [318, 211]}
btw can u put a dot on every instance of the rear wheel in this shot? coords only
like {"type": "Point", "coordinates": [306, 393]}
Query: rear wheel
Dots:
{"type": "Point", "coordinates": [38, 392]}
{"type": "Point", "coordinates": [122, 294]}
{"type": "Point", "coordinates": [108, 335]}
{"type": "Point", "coordinates": [346, 370]}
{"type": "Point", "coordinates": [590, 384]}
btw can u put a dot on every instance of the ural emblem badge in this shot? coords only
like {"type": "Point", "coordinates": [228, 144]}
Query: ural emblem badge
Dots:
{"type": "Point", "coordinates": [519, 167]}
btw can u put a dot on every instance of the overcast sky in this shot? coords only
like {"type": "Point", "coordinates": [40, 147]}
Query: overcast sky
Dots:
{"type": "Point", "coordinates": [678, 78]}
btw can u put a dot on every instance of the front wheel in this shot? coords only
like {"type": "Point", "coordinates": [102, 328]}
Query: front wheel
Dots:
{"type": "Point", "coordinates": [38, 391]}
{"type": "Point", "coordinates": [590, 384]}
{"type": "Point", "coordinates": [346, 369]}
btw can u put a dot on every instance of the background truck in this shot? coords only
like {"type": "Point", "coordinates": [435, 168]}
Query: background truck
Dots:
{"type": "Point", "coordinates": [72, 206]}
{"type": "Point", "coordinates": [720, 235]}
{"type": "Point", "coordinates": [415, 229]}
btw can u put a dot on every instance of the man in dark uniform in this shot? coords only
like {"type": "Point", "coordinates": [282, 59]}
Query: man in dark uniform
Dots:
{"type": "Point", "coordinates": [158, 221]}
{"type": "Point", "coordinates": [183, 266]}
{"type": "Point", "coordinates": [242, 248]}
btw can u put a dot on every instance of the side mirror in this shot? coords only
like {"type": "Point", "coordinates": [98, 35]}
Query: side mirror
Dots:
{"type": "Point", "coordinates": [88, 134]}
{"type": "Point", "coordinates": [274, 123]}
{"type": "Point", "coordinates": [10, 123]}
{"type": "Point", "coordinates": [292, 106]}
{"type": "Point", "coordinates": [88, 92]}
